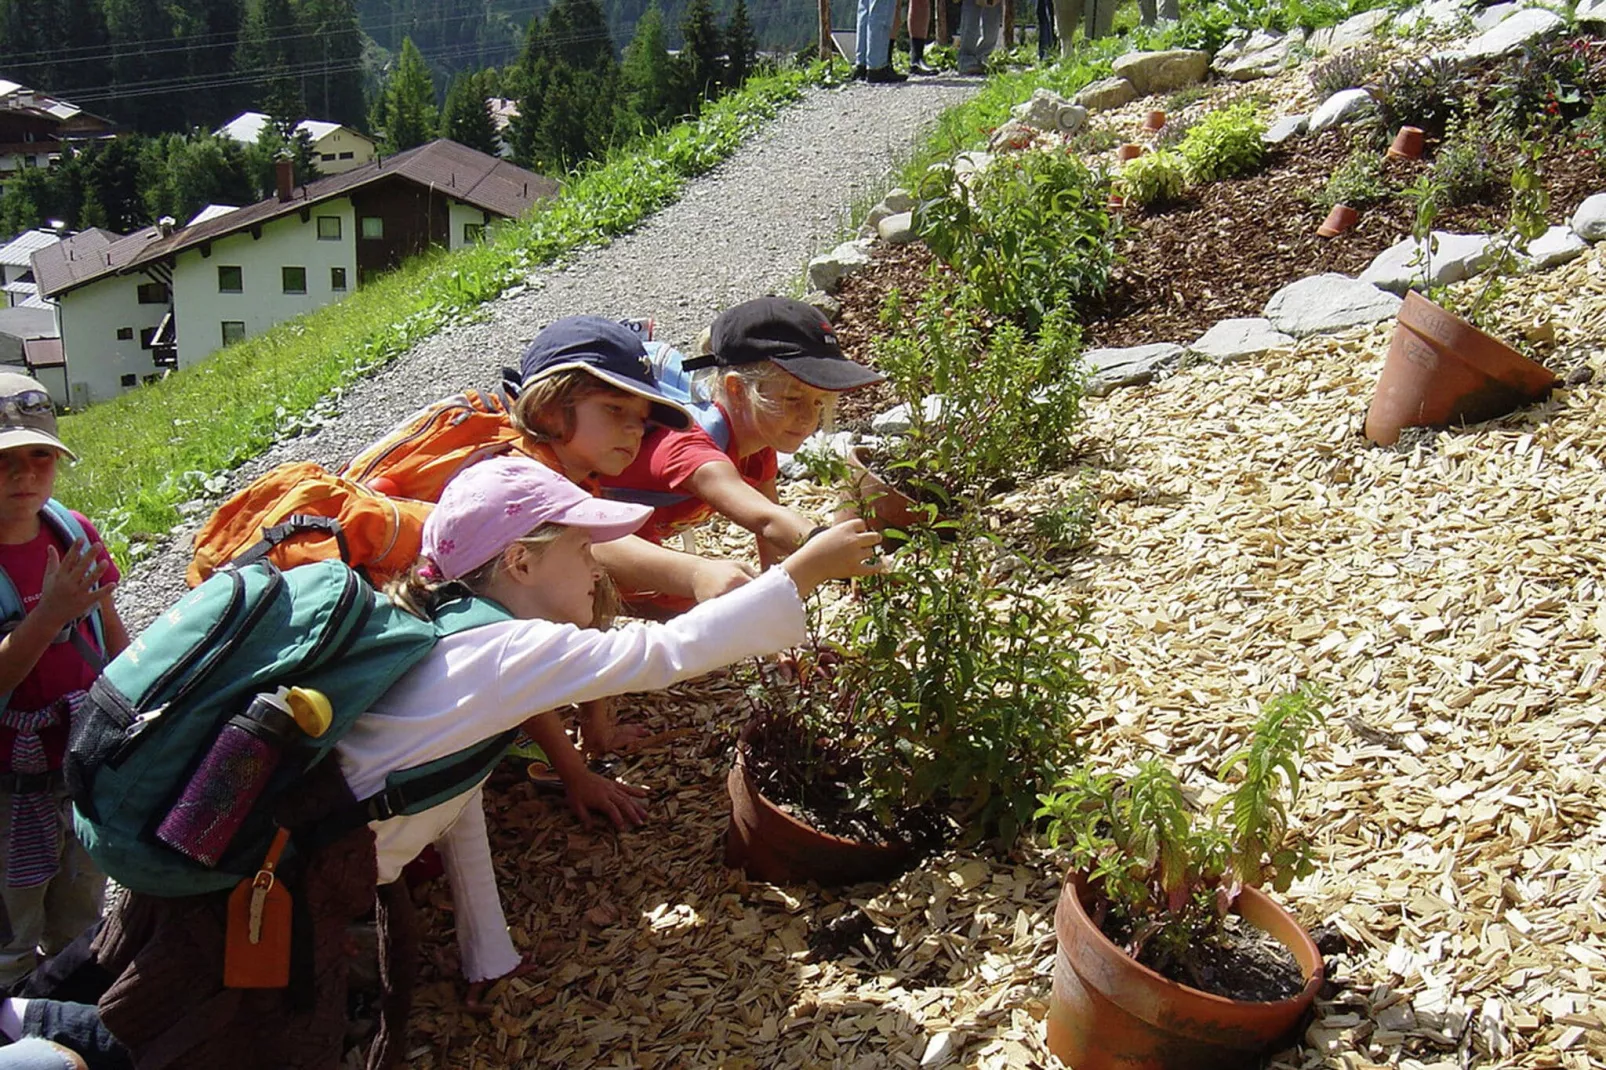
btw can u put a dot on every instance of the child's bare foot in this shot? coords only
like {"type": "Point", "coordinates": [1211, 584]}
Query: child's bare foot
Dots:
{"type": "Point", "coordinates": [601, 733]}
{"type": "Point", "coordinates": [475, 1002]}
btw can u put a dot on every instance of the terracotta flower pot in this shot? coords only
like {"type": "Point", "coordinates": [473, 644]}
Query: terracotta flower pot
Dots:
{"type": "Point", "coordinates": [1441, 370]}
{"type": "Point", "coordinates": [1107, 1011]}
{"type": "Point", "coordinates": [1129, 151]}
{"type": "Point", "coordinates": [889, 507]}
{"type": "Point", "coordinates": [769, 844]}
{"type": "Point", "coordinates": [1340, 219]}
{"type": "Point", "coordinates": [1407, 143]}
{"type": "Point", "coordinates": [1153, 121]}
{"type": "Point", "coordinates": [1115, 203]}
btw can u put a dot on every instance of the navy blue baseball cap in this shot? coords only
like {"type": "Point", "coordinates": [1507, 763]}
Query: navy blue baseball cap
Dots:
{"type": "Point", "coordinates": [606, 349]}
{"type": "Point", "coordinates": [793, 334]}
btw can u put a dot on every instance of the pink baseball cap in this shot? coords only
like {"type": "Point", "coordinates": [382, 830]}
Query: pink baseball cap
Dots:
{"type": "Point", "coordinates": [493, 504]}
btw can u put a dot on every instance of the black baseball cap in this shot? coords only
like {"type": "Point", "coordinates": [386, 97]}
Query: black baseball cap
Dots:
{"type": "Point", "coordinates": [606, 349]}
{"type": "Point", "coordinates": [792, 334]}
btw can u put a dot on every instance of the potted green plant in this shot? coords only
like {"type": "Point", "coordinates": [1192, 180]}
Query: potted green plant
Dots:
{"type": "Point", "coordinates": [1162, 908]}
{"type": "Point", "coordinates": [1442, 367]}
{"type": "Point", "coordinates": [953, 701]}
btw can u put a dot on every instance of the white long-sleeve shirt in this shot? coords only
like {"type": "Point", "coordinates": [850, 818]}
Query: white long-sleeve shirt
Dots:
{"type": "Point", "coordinates": [478, 683]}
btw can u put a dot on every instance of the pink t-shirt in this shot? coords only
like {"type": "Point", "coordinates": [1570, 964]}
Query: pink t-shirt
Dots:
{"type": "Point", "coordinates": [666, 462]}
{"type": "Point", "coordinates": [61, 668]}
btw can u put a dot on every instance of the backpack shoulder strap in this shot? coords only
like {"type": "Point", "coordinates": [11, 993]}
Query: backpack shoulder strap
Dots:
{"type": "Point", "coordinates": [68, 527]}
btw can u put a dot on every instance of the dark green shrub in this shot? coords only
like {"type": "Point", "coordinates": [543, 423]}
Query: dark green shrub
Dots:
{"type": "Point", "coordinates": [1350, 69]}
{"type": "Point", "coordinates": [1429, 92]}
{"type": "Point", "coordinates": [1359, 181]}
{"type": "Point", "coordinates": [1468, 167]}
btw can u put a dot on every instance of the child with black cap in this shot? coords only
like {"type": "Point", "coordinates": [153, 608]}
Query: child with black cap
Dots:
{"type": "Point", "coordinates": [776, 370]}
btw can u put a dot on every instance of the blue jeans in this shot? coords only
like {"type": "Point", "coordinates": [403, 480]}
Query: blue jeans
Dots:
{"type": "Point", "coordinates": [978, 34]}
{"type": "Point", "coordinates": [874, 27]}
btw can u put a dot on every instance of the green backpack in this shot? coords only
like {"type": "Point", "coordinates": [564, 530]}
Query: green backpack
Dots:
{"type": "Point", "coordinates": [154, 713]}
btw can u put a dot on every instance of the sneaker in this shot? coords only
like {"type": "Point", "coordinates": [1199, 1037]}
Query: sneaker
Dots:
{"type": "Point", "coordinates": [884, 76]}
{"type": "Point", "coordinates": [920, 68]}
{"type": "Point", "coordinates": [857, 73]}
{"type": "Point", "coordinates": [972, 72]}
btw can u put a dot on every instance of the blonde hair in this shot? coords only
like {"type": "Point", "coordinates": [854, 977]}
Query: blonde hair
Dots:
{"type": "Point", "coordinates": [760, 385]}
{"type": "Point", "coordinates": [423, 596]}
{"type": "Point", "coordinates": [544, 410]}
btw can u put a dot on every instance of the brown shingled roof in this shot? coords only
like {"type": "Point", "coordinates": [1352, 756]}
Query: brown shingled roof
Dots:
{"type": "Point", "coordinates": [458, 171]}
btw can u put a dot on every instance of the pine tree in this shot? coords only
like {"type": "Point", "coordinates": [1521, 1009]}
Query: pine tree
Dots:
{"type": "Point", "coordinates": [740, 46]}
{"type": "Point", "coordinates": [264, 57]}
{"type": "Point", "coordinates": [467, 119]}
{"type": "Point", "coordinates": [114, 185]}
{"type": "Point", "coordinates": [647, 73]}
{"type": "Point", "coordinates": [701, 60]}
{"type": "Point", "coordinates": [409, 116]}
{"type": "Point", "coordinates": [334, 89]}
{"type": "Point", "coordinates": [129, 25]}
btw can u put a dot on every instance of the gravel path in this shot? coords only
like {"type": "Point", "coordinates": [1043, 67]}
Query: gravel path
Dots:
{"type": "Point", "coordinates": [746, 229]}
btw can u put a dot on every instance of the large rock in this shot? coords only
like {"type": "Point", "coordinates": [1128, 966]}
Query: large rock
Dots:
{"type": "Point", "coordinates": [1438, 14]}
{"type": "Point", "coordinates": [899, 199]}
{"type": "Point", "coordinates": [1261, 54]}
{"type": "Point", "coordinates": [1406, 264]}
{"type": "Point", "coordinates": [1286, 127]}
{"type": "Point", "coordinates": [1106, 94]}
{"type": "Point", "coordinates": [1590, 11]}
{"type": "Point", "coordinates": [1553, 248]}
{"type": "Point", "coordinates": [1355, 30]}
{"type": "Point", "coordinates": [1328, 302]}
{"type": "Point", "coordinates": [898, 420]}
{"type": "Point", "coordinates": [1163, 72]}
{"type": "Point", "coordinates": [1492, 16]}
{"type": "Point", "coordinates": [1128, 366]}
{"type": "Point", "coordinates": [1518, 29]}
{"type": "Point", "coordinates": [824, 303]}
{"type": "Point", "coordinates": [1240, 338]}
{"type": "Point", "coordinates": [1589, 219]}
{"type": "Point", "coordinates": [1047, 110]}
{"type": "Point", "coordinates": [1013, 136]}
{"type": "Point", "coordinates": [827, 271]}
{"type": "Point", "coordinates": [1341, 107]}
{"type": "Point", "coordinates": [897, 229]}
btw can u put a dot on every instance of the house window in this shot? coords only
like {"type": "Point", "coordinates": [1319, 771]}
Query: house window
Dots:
{"type": "Point", "coordinates": [130, 380]}
{"type": "Point", "coordinates": [230, 280]}
{"type": "Point", "coordinates": [348, 155]}
{"type": "Point", "coordinates": [295, 280]}
{"type": "Point", "coordinates": [152, 293]}
{"type": "Point", "coordinates": [373, 226]}
{"type": "Point", "coordinates": [145, 336]}
{"type": "Point", "coordinates": [328, 228]}
{"type": "Point", "coordinates": [233, 331]}
{"type": "Point", "coordinates": [337, 279]}
{"type": "Point", "coordinates": [125, 334]}
{"type": "Point", "coordinates": [326, 156]}
{"type": "Point", "coordinates": [473, 232]}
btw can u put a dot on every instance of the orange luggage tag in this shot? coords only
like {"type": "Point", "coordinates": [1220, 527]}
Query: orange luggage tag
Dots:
{"type": "Point", "coordinates": [256, 952]}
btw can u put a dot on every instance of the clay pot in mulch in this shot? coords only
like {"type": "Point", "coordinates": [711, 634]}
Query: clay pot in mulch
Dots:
{"type": "Point", "coordinates": [889, 506]}
{"type": "Point", "coordinates": [1129, 151]}
{"type": "Point", "coordinates": [1108, 1011]}
{"type": "Point", "coordinates": [1407, 143]}
{"type": "Point", "coordinates": [1115, 203]}
{"type": "Point", "coordinates": [1441, 370]}
{"type": "Point", "coordinates": [769, 844]}
{"type": "Point", "coordinates": [1153, 121]}
{"type": "Point", "coordinates": [1340, 219]}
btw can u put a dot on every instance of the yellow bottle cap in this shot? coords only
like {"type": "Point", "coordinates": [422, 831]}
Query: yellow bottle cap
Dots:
{"type": "Point", "coordinates": [311, 710]}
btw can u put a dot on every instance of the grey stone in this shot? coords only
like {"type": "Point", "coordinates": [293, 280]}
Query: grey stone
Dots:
{"type": "Point", "coordinates": [1590, 11]}
{"type": "Point", "coordinates": [828, 306]}
{"type": "Point", "coordinates": [1439, 14]}
{"type": "Point", "coordinates": [1405, 264]}
{"type": "Point", "coordinates": [1328, 302]}
{"type": "Point", "coordinates": [1355, 30]}
{"type": "Point", "coordinates": [1042, 111]}
{"type": "Point", "coordinates": [1341, 107]}
{"type": "Point", "coordinates": [898, 228]}
{"type": "Point", "coordinates": [1518, 29]}
{"type": "Point", "coordinates": [1554, 247]}
{"type": "Point", "coordinates": [1012, 136]}
{"type": "Point", "coordinates": [1492, 16]}
{"type": "Point", "coordinates": [1263, 53]}
{"type": "Point", "coordinates": [1589, 220]}
{"type": "Point", "coordinates": [1128, 366]}
{"type": "Point", "coordinates": [1239, 338]}
{"type": "Point", "coordinates": [968, 163]}
{"type": "Point", "coordinates": [827, 271]}
{"type": "Point", "coordinates": [897, 420]}
{"type": "Point", "coordinates": [819, 444]}
{"type": "Point", "coordinates": [1286, 127]}
{"type": "Point", "coordinates": [873, 219]}
{"type": "Point", "coordinates": [899, 199]}
{"type": "Point", "coordinates": [1106, 94]}
{"type": "Point", "coordinates": [1163, 72]}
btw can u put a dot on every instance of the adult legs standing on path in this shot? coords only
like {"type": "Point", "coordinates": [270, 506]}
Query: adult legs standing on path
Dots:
{"type": "Point", "coordinates": [874, 26]}
{"type": "Point", "coordinates": [1045, 30]}
{"type": "Point", "coordinates": [1168, 9]}
{"type": "Point", "coordinates": [919, 35]}
{"type": "Point", "coordinates": [979, 24]}
{"type": "Point", "coordinates": [1098, 15]}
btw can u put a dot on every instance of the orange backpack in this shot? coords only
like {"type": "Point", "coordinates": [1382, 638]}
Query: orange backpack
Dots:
{"type": "Point", "coordinates": [422, 453]}
{"type": "Point", "coordinates": [298, 513]}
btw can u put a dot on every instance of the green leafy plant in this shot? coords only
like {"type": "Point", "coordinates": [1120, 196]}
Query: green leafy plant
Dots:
{"type": "Point", "coordinates": [1429, 92]}
{"type": "Point", "coordinates": [1172, 134]}
{"type": "Point", "coordinates": [1166, 874]}
{"type": "Point", "coordinates": [1224, 144]}
{"type": "Point", "coordinates": [1029, 234]}
{"type": "Point", "coordinates": [1358, 182]}
{"type": "Point", "coordinates": [1153, 180]}
{"type": "Point", "coordinates": [1184, 98]}
{"type": "Point", "coordinates": [1065, 524]}
{"type": "Point", "coordinates": [1468, 166]}
{"type": "Point", "coordinates": [1349, 69]}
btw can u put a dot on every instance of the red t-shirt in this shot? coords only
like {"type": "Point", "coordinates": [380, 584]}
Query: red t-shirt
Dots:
{"type": "Point", "coordinates": [61, 668]}
{"type": "Point", "coordinates": [668, 459]}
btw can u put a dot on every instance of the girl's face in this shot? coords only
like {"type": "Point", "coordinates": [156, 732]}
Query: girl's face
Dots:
{"type": "Point", "coordinates": [607, 433]}
{"type": "Point", "coordinates": [28, 476]}
{"type": "Point", "coordinates": [788, 412]}
{"type": "Point", "coordinates": [557, 582]}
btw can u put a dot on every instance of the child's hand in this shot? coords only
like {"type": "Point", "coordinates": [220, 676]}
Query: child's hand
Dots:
{"type": "Point", "coordinates": [848, 549]}
{"type": "Point", "coordinates": [69, 589]}
{"type": "Point", "coordinates": [712, 578]}
{"type": "Point", "coordinates": [621, 802]}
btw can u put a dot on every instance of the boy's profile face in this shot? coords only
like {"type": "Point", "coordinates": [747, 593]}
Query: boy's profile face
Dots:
{"type": "Point", "coordinates": [608, 428]}
{"type": "Point", "coordinates": [28, 478]}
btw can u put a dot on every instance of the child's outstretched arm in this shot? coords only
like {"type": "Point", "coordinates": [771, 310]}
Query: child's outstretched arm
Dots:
{"type": "Point", "coordinates": [69, 592]}
{"type": "Point", "coordinates": [720, 485]}
{"type": "Point", "coordinates": [588, 791]}
{"type": "Point", "coordinates": [636, 564]}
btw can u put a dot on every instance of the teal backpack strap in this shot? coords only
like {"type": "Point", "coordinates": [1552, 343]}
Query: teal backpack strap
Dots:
{"type": "Point", "coordinates": [68, 527]}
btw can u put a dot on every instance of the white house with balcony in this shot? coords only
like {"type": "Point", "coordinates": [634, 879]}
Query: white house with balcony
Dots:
{"type": "Point", "coordinates": [170, 296]}
{"type": "Point", "coordinates": [338, 148]}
